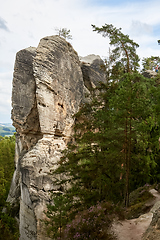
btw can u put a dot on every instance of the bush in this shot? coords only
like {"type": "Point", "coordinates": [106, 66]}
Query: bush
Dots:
{"type": "Point", "coordinates": [93, 223]}
{"type": "Point", "coordinates": [8, 225]}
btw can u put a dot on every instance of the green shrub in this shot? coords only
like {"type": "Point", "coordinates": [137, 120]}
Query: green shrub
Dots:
{"type": "Point", "coordinates": [92, 224]}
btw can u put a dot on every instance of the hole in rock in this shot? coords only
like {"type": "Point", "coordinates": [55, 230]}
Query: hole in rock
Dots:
{"type": "Point", "coordinates": [61, 105]}
{"type": "Point", "coordinates": [42, 104]}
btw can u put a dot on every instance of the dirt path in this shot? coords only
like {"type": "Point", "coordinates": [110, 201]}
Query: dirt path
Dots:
{"type": "Point", "coordinates": [134, 229]}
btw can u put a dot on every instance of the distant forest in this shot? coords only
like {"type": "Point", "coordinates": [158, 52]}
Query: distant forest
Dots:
{"type": "Point", "coordinates": [8, 225]}
{"type": "Point", "coordinates": [6, 130]}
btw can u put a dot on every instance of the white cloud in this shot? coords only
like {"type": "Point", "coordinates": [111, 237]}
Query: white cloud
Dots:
{"type": "Point", "coordinates": [5, 96]}
{"type": "Point", "coordinates": [3, 24]}
{"type": "Point", "coordinates": [138, 28]}
{"type": "Point", "coordinates": [30, 20]}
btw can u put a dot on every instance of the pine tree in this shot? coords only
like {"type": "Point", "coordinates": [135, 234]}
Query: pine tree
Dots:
{"type": "Point", "coordinates": [116, 134]}
{"type": "Point", "coordinates": [150, 63]}
{"type": "Point", "coordinates": [65, 33]}
{"type": "Point", "coordinates": [132, 89]}
{"type": "Point", "coordinates": [57, 214]}
{"type": "Point", "coordinates": [109, 129]}
{"type": "Point", "coordinates": [124, 51]}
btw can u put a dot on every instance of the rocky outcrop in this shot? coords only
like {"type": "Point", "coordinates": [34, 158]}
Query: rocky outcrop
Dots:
{"type": "Point", "coordinates": [144, 227]}
{"type": "Point", "coordinates": [49, 84]}
{"type": "Point", "coordinates": [92, 71]}
{"type": "Point", "coordinates": [153, 231]}
{"type": "Point", "coordinates": [149, 74]}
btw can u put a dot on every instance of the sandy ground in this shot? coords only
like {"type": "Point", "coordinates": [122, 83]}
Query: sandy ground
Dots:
{"type": "Point", "coordinates": [134, 229]}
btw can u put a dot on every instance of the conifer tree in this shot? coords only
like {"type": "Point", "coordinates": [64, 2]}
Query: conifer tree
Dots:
{"type": "Point", "coordinates": [124, 51]}
{"type": "Point", "coordinates": [64, 32]}
{"type": "Point", "coordinates": [150, 63]}
{"type": "Point", "coordinates": [108, 129]}
{"type": "Point", "coordinates": [116, 133]}
{"type": "Point", "coordinates": [132, 88]}
{"type": "Point", "coordinates": [58, 214]}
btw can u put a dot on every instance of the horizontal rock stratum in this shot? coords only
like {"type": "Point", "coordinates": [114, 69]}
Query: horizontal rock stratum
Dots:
{"type": "Point", "coordinates": [49, 84]}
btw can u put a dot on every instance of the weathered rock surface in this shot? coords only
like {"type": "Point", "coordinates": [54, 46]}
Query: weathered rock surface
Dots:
{"type": "Point", "coordinates": [149, 74]}
{"type": "Point", "coordinates": [60, 86]}
{"type": "Point", "coordinates": [48, 88]}
{"type": "Point", "coordinates": [92, 71]}
{"type": "Point", "coordinates": [153, 231]}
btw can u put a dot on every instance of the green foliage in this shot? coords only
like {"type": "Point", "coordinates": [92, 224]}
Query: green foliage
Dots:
{"type": "Point", "coordinates": [65, 33]}
{"type": "Point", "coordinates": [7, 151]}
{"type": "Point", "coordinates": [113, 140]}
{"type": "Point", "coordinates": [93, 223]}
{"type": "Point", "coordinates": [132, 103]}
{"type": "Point", "coordinates": [150, 63]}
{"type": "Point", "coordinates": [58, 215]}
{"type": "Point", "coordinates": [115, 147]}
{"type": "Point", "coordinates": [8, 225]}
{"type": "Point", "coordinates": [136, 118]}
{"type": "Point", "coordinates": [124, 51]}
{"type": "Point", "coordinates": [2, 188]}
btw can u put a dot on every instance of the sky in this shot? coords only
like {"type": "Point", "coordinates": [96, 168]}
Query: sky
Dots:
{"type": "Point", "coordinates": [24, 22]}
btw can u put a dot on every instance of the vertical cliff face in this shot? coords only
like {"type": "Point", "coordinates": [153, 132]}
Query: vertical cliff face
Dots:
{"type": "Point", "coordinates": [48, 88]}
{"type": "Point", "coordinates": [60, 86]}
{"type": "Point", "coordinates": [24, 113]}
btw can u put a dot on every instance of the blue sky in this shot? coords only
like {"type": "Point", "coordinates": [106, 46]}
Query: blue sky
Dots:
{"type": "Point", "coordinates": [114, 2]}
{"type": "Point", "coordinates": [24, 23]}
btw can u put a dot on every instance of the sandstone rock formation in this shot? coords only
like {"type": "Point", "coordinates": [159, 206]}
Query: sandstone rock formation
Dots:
{"type": "Point", "coordinates": [92, 71]}
{"type": "Point", "coordinates": [48, 88]}
{"type": "Point", "coordinates": [149, 74]}
{"type": "Point", "coordinates": [153, 232]}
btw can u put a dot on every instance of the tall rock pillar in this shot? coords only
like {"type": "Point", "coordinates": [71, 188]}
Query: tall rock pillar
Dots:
{"type": "Point", "coordinates": [47, 92]}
